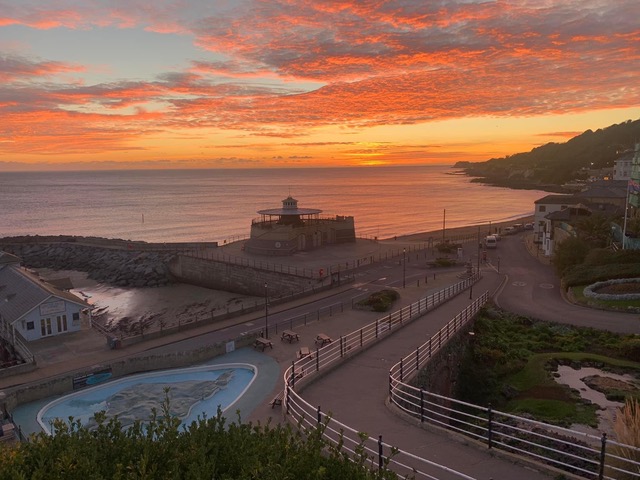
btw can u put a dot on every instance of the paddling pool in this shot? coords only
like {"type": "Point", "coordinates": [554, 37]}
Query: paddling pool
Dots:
{"type": "Point", "coordinates": [193, 392]}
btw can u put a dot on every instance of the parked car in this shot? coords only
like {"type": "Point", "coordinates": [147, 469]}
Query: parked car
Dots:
{"type": "Point", "coordinates": [528, 226]}
{"type": "Point", "coordinates": [509, 230]}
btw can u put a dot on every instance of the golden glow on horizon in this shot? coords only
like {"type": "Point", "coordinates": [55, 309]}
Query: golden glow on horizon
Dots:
{"type": "Point", "coordinates": [299, 83]}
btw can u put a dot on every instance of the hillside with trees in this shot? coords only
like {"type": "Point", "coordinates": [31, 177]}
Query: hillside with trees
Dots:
{"type": "Point", "coordinates": [550, 166]}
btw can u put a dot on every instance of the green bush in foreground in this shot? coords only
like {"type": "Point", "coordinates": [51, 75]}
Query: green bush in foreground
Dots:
{"type": "Point", "coordinates": [159, 449]}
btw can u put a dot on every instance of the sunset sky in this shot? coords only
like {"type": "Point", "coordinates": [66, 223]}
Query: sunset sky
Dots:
{"type": "Point", "coordinates": [97, 84]}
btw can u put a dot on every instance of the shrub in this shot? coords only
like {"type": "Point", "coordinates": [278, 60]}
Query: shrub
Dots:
{"type": "Point", "coordinates": [587, 274]}
{"type": "Point", "coordinates": [604, 256]}
{"type": "Point", "coordinates": [569, 253]}
{"type": "Point", "coordinates": [630, 348]}
{"type": "Point", "coordinates": [380, 301]}
{"type": "Point", "coordinates": [448, 247]}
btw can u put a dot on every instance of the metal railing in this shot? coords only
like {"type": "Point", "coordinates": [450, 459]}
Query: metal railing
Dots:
{"type": "Point", "coordinates": [574, 452]}
{"type": "Point", "coordinates": [303, 319]}
{"type": "Point", "coordinates": [343, 269]}
{"type": "Point", "coordinates": [374, 451]}
{"type": "Point", "coordinates": [337, 433]}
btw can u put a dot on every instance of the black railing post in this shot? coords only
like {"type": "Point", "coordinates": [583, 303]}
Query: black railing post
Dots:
{"type": "Point", "coordinates": [421, 405]}
{"type": "Point", "coordinates": [603, 453]}
{"type": "Point", "coordinates": [401, 370]}
{"type": "Point", "coordinates": [293, 374]}
{"type": "Point", "coordinates": [417, 358]}
{"type": "Point", "coordinates": [380, 457]}
{"type": "Point", "coordinates": [360, 338]}
{"type": "Point", "coordinates": [317, 359]}
{"type": "Point", "coordinates": [490, 427]}
{"type": "Point", "coordinates": [319, 416]}
{"type": "Point", "coordinates": [341, 347]}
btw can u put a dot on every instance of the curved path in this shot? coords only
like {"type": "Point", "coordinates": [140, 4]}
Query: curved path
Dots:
{"type": "Point", "coordinates": [355, 394]}
{"type": "Point", "coordinates": [533, 289]}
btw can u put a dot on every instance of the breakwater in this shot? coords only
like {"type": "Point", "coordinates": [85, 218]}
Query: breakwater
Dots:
{"type": "Point", "coordinates": [102, 259]}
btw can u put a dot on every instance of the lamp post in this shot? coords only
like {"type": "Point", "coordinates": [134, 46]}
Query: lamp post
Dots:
{"type": "Point", "coordinates": [266, 311]}
{"type": "Point", "coordinates": [404, 267]}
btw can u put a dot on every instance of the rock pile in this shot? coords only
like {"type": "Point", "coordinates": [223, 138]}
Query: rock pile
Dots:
{"type": "Point", "coordinates": [125, 268]}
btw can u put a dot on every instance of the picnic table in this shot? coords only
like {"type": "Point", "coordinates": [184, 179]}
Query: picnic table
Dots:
{"type": "Point", "coordinates": [323, 339]}
{"type": "Point", "coordinates": [290, 336]}
{"type": "Point", "coordinates": [303, 352]}
{"type": "Point", "coordinates": [262, 343]}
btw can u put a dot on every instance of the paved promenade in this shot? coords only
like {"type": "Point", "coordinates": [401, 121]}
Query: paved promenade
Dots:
{"type": "Point", "coordinates": [354, 393]}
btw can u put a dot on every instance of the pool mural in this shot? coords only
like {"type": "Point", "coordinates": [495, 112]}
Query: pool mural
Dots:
{"type": "Point", "coordinates": [193, 392]}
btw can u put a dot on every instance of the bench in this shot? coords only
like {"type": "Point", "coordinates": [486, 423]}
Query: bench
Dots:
{"type": "Point", "coordinates": [262, 343]}
{"type": "Point", "coordinates": [277, 400]}
{"type": "Point", "coordinates": [303, 352]}
{"type": "Point", "coordinates": [323, 339]}
{"type": "Point", "coordinates": [8, 432]}
{"type": "Point", "coordinates": [290, 336]}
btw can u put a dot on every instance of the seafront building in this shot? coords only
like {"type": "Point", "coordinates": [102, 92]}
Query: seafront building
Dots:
{"type": "Point", "coordinates": [31, 309]}
{"type": "Point", "coordinates": [290, 229]}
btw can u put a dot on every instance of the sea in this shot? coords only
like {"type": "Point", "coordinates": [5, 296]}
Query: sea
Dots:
{"type": "Point", "coordinates": [219, 204]}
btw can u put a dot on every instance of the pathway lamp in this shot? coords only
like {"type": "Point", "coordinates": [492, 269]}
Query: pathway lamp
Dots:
{"type": "Point", "coordinates": [404, 266]}
{"type": "Point", "coordinates": [266, 311]}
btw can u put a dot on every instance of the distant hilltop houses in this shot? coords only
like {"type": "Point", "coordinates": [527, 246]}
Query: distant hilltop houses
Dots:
{"type": "Point", "coordinates": [289, 229]}
{"type": "Point", "coordinates": [611, 193]}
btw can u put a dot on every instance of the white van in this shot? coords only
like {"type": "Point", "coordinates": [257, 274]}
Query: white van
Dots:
{"type": "Point", "coordinates": [491, 242]}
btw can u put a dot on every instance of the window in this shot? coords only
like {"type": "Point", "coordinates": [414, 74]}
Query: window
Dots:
{"type": "Point", "coordinates": [45, 327]}
{"type": "Point", "coordinates": [542, 208]}
{"type": "Point", "coordinates": [62, 323]}
{"type": "Point", "coordinates": [31, 325]}
{"type": "Point", "coordinates": [76, 316]}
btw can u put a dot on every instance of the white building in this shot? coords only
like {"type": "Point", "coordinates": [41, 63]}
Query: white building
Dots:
{"type": "Point", "coordinates": [622, 167]}
{"type": "Point", "coordinates": [30, 308]}
{"type": "Point", "coordinates": [546, 205]}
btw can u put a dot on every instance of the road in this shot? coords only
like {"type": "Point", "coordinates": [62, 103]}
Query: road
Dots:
{"type": "Point", "coordinates": [532, 289]}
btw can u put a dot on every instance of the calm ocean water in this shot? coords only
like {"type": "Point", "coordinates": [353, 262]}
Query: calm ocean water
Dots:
{"type": "Point", "coordinates": [216, 205]}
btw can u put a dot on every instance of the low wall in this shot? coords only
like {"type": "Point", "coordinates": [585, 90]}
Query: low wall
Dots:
{"type": "Point", "coordinates": [62, 384]}
{"type": "Point", "coordinates": [240, 278]}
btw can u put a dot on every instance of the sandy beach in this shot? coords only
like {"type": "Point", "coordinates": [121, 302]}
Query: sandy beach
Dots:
{"type": "Point", "coordinates": [125, 310]}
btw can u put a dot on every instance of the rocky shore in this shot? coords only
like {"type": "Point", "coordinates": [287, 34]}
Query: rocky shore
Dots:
{"type": "Point", "coordinates": [124, 268]}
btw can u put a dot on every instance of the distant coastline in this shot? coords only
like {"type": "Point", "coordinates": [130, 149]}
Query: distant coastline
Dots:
{"type": "Point", "coordinates": [479, 174]}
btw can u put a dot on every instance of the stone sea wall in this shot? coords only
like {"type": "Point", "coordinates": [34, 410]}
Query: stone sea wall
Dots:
{"type": "Point", "coordinates": [125, 268]}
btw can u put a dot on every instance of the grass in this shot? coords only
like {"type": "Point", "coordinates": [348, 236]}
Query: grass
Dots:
{"type": "Point", "coordinates": [621, 305]}
{"type": "Point", "coordinates": [557, 412]}
{"type": "Point", "coordinates": [541, 396]}
{"type": "Point", "coordinates": [510, 366]}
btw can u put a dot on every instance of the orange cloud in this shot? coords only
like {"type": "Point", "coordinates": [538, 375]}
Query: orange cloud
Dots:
{"type": "Point", "coordinates": [279, 69]}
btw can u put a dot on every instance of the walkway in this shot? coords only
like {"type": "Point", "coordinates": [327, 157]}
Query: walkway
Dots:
{"type": "Point", "coordinates": [355, 394]}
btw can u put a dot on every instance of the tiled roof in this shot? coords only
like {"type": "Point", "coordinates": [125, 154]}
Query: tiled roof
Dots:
{"type": "Point", "coordinates": [21, 292]}
{"type": "Point", "coordinates": [557, 200]}
{"type": "Point", "coordinates": [613, 191]}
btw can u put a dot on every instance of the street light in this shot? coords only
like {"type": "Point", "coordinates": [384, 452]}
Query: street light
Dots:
{"type": "Point", "coordinates": [404, 266]}
{"type": "Point", "coordinates": [266, 311]}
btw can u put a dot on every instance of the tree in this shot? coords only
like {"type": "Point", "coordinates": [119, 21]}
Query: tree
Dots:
{"type": "Point", "coordinates": [569, 253]}
{"type": "Point", "coordinates": [594, 230]}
